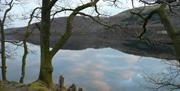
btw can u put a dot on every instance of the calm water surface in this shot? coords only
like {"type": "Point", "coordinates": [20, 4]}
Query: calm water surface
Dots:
{"type": "Point", "coordinates": [103, 69]}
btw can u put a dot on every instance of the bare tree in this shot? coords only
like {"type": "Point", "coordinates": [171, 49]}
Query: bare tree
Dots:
{"type": "Point", "coordinates": [47, 54]}
{"type": "Point", "coordinates": [25, 46]}
{"type": "Point", "coordinates": [173, 33]}
{"type": "Point", "coordinates": [168, 80]}
{"type": "Point", "coordinates": [3, 49]}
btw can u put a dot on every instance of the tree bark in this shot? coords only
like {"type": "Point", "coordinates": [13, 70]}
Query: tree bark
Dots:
{"type": "Point", "coordinates": [173, 33]}
{"type": "Point", "coordinates": [46, 68]}
{"type": "Point", "coordinates": [25, 46]}
{"type": "Point", "coordinates": [23, 67]}
{"type": "Point", "coordinates": [3, 52]}
{"type": "Point", "coordinates": [3, 49]}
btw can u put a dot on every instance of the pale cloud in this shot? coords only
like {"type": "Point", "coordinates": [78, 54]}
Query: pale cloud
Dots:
{"type": "Point", "coordinates": [97, 74]}
{"type": "Point", "coordinates": [100, 66]}
{"type": "Point", "coordinates": [81, 68]}
{"type": "Point", "coordinates": [101, 85]}
{"type": "Point", "coordinates": [127, 74]}
{"type": "Point", "coordinates": [132, 60]}
{"type": "Point", "coordinates": [111, 70]}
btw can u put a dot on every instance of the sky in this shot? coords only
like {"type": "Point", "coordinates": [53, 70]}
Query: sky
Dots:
{"type": "Point", "coordinates": [20, 12]}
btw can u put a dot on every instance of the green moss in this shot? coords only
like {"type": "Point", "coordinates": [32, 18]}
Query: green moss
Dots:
{"type": "Point", "coordinates": [38, 86]}
{"type": "Point", "coordinates": [1, 84]}
{"type": "Point", "coordinates": [1, 89]}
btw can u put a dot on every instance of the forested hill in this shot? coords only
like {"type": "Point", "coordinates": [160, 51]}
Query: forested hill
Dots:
{"type": "Point", "coordinates": [122, 36]}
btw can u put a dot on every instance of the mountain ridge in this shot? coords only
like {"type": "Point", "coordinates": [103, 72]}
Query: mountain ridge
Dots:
{"type": "Point", "coordinates": [123, 36]}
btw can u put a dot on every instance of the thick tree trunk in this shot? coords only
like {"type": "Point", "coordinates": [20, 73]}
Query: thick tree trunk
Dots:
{"type": "Point", "coordinates": [46, 68]}
{"type": "Point", "coordinates": [172, 32]}
{"type": "Point", "coordinates": [176, 42]}
{"type": "Point", "coordinates": [3, 53]}
{"type": "Point", "coordinates": [3, 49]}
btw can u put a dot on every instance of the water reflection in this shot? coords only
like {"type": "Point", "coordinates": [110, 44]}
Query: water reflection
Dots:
{"type": "Point", "coordinates": [103, 69]}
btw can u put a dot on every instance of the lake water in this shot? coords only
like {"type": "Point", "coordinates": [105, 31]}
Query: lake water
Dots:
{"type": "Point", "coordinates": [103, 69]}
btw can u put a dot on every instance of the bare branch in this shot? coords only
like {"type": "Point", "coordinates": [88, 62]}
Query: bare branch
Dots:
{"type": "Point", "coordinates": [52, 3]}
{"type": "Point", "coordinates": [14, 42]}
{"type": "Point", "coordinates": [83, 14]}
{"type": "Point", "coordinates": [146, 22]}
{"type": "Point", "coordinates": [62, 40]}
{"type": "Point", "coordinates": [10, 4]}
{"type": "Point", "coordinates": [94, 19]}
{"type": "Point", "coordinates": [146, 2]}
{"type": "Point", "coordinates": [27, 32]}
{"type": "Point", "coordinates": [145, 19]}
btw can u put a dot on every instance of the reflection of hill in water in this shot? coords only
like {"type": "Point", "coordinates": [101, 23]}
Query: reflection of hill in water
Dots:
{"type": "Point", "coordinates": [104, 69]}
{"type": "Point", "coordinates": [88, 34]}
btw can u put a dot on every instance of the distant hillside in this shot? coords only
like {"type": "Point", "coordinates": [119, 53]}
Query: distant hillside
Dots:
{"type": "Point", "coordinates": [126, 16]}
{"type": "Point", "coordinates": [122, 36]}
